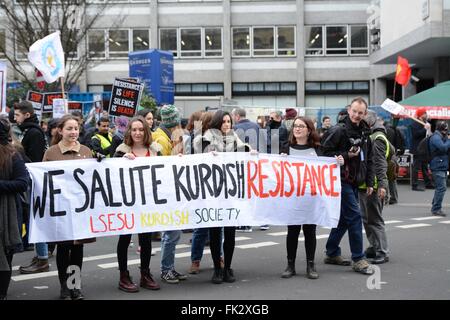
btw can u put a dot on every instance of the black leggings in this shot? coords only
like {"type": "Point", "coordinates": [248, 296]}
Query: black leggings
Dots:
{"type": "Point", "coordinates": [145, 242]}
{"type": "Point", "coordinates": [68, 254]}
{"type": "Point", "coordinates": [5, 277]}
{"type": "Point", "coordinates": [309, 230]}
{"type": "Point", "coordinates": [228, 245]}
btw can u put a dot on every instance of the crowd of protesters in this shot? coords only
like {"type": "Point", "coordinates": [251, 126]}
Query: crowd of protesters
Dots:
{"type": "Point", "coordinates": [362, 145]}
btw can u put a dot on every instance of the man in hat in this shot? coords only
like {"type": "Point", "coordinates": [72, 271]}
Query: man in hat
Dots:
{"type": "Point", "coordinates": [164, 135]}
{"type": "Point", "coordinates": [419, 132]}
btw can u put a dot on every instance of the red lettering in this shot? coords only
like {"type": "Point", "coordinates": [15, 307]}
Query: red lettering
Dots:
{"type": "Point", "coordinates": [276, 165]}
{"type": "Point", "coordinates": [299, 180]}
{"type": "Point", "coordinates": [92, 224]}
{"type": "Point", "coordinates": [333, 178]}
{"type": "Point", "coordinates": [110, 222]}
{"type": "Point", "coordinates": [250, 180]}
{"type": "Point", "coordinates": [128, 93]}
{"type": "Point", "coordinates": [324, 185]}
{"type": "Point", "coordinates": [316, 178]}
{"type": "Point", "coordinates": [124, 110]}
{"type": "Point", "coordinates": [307, 179]}
{"type": "Point", "coordinates": [291, 179]}
{"type": "Point", "coordinates": [261, 179]}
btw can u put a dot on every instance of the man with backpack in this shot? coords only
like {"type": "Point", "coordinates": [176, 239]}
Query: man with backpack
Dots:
{"type": "Point", "coordinates": [419, 132]}
{"type": "Point", "coordinates": [439, 146]}
{"type": "Point", "coordinates": [396, 138]}
{"type": "Point", "coordinates": [372, 203]}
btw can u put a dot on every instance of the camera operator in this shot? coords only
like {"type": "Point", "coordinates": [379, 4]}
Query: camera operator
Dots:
{"type": "Point", "coordinates": [349, 138]}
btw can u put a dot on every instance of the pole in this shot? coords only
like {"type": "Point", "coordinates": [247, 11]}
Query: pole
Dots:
{"type": "Point", "coordinates": [393, 95]}
{"type": "Point", "coordinates": [62, 87]}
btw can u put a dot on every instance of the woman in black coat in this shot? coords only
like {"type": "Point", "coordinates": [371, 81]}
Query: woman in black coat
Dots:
{"type": "Point", "coordinates": [14, 179]}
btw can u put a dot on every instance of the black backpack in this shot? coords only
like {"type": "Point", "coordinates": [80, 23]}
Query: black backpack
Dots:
{"type": "Point", "coordinates": [423, 149]}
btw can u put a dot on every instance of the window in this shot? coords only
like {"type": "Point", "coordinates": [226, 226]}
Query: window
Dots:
{"type": "Point", "coordinates": [361, 85]}
{"type": "Point", "coordinates": [118, 43]}
{"type": "Point", "coordinates": [191, 43]}
{"type": "Point", "coordinates": [96, 44]}
{"type": "Point", "coordinates": [2, 43]}
{"type": "Point", "coordinates": [286, 41]}
{"type": "Point", "coordinates": [199, 89]}
{"type": "Point", "coordinates": [20, 49]}
{"type": "Point", "coordinates": [312, 86]}
{"type": "Point", "coordinates": [168, 40]}
{"type": "Point", "coordinates": [263, 44]}
{"type": "Point", "coordinates": [336, 40]}
{"type": "Point", "coordinates": [264, 88]}
{"type": "Point", "coordinates": [213, 42]}
{"type": "Point", "coordinates": [141, 39]}
{"type": "Point", "coordinates": [358, 36]}
{"type": "Point", "coordinates": [342, 87]}
{"type": "Point", "coordinates": [241, 42]}
{"type": "Point", "coordinates": [314, 40]}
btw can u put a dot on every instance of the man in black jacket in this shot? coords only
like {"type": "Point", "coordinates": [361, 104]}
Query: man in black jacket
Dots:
{"type": "Point", "coordinates": [34, 143]}
{"type": "Point", "coordinates": [396, 138]}
{"type": "Point", "coordinates": [419, 132]}
{"type": "Point", "coordinates": [350, 139]}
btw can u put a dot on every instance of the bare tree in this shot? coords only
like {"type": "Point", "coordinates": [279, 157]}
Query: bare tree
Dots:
{"type": "Point", "coordinates": [27, 21]}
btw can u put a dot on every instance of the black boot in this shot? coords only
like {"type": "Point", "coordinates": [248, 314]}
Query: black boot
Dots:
{"type": "Point", "coordinates": [290, 270]}
{"type": "Point", "coordinates": [311, 272]}
{"type": "Point", "coordinates": [217, 276]}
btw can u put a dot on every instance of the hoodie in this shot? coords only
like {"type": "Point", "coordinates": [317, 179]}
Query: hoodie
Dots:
{"type": "Point", "coordinates": [33, 139]}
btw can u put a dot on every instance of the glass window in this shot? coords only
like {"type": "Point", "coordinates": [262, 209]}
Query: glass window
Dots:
{"type": "Point", "coordinates": [272, 86]}
{"type": "Point", "coordinates": [240, 87]}
{"type": "Point", "coordinates": [329, 86]}
{"type": "Point", "coordinates": [215, 87]}
{"type": "Point", "coordinates": [312, 86]}
{"type": "Point", "coordinates": [286, 41]}
{"type": "Point", "coordinates": [72, 45]}
{"type": "Point", "coordinates": [314, 40]}
{"type": "Point", "coordinates": [2, 43]}
{"type": "Point", "coordinates": [358, 40]}
{"type": "Point", "coordinates": [118, 43]}
{"type": "Point", "coordinates": [191, 45]}
{"type": "Point", "coordinates": [213, 42]}
{"type": "Point", "coordinates": [183, 88]}
{"type": "Point", "coordinates": [241, 41]}
{"type": "Point", "coordinates": [286, 86]}
{"type": "Point", "coordinates": [141, 40]}
{"type": "Point", "coordinates": [168, 40]}
{"type": "Point", "coordinates": [336, 40]}
{"type": "Point", "coordinates": [96, 44]}
{"type": "Point", "coordinates": [199, 87]}
{"type": "Point", "coordinates": [344, 86]}
{"type": "Point", "coordinates": [256, 87]}
{"type": "Point", "coordinates": [263, 41]}
{"type": "Point", "coordinates": [361, 85]}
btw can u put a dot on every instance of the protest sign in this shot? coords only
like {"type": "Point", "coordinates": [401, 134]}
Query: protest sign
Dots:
{"type": "Point", "coordinates": [48, 100]}
{"type": "Point", "coordinates": [74, 106]}
{"type": "Point", "coordinates": [60, 108]}
{"type": "Point", "coordinates": [37, 100]}
{"type": "Point", "coordinates": [83, 199]}
{"type": "Point", "coordinates": [125, 98]}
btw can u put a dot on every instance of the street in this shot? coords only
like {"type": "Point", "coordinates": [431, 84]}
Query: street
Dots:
{"type": "Point", "coordinates": [419, 266]}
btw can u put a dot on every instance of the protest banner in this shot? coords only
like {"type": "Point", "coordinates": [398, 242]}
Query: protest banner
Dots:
{"type": "Point", "coordinates": [74, 106]}
{"type": "Point", "coordinates": [83, 199]}
{"type": "Point", "coordinates": [37, 100]}
{"type": "Point", "coordinates": [3, 69]}
{"type": "Point", "coordinates": [125, 98]}
{"type": "Point", "coordinates": [397, 109]}
{"type": "Point", "coordinates": [60, 108]}
{"type": "Point", "coordinates": [48, 100]}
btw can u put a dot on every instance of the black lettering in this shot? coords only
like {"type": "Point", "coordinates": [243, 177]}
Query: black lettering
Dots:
{"type": "Point", "coordinates": [217, 174]}
{"type": "Point", "coordinates": [96, 180]}
{"type": "Point", "coordinates": [225, 181]}
{"type": "Point", "coordinates": [141, 180]}
{"type": "Point", "coordinates": [233, 191]}
{"type": "Point", "coordinates": [155, 183]}
{"type": "Point", "coordinates": [124, 192]}
{"type": "Point", "coordinates": [38, 204]}
{"type": "Point", "coordinates": [198, 215]}
{"type": "Point", "coordinates": [53, 192]}
{"type": "Point", "coordinates": [241, 179]}
{"type": "Point", "coordinates": [178, 185]}
{"type": "Point", "coordinates": [194, 195]}
{"type": "Point", "coordinates": [204, 179]}
{"type": "Point", "coordinates": [84, 187]}
{"type": "Point", "coordinates": [110, 192]}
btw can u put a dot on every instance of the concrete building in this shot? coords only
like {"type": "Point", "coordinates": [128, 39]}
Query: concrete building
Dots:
{"type": "Point", "coordinates": [272, 53]}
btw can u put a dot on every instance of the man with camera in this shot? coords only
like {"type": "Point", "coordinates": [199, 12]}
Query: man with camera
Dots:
{"type": "Point", "coordinates": [349, 138]}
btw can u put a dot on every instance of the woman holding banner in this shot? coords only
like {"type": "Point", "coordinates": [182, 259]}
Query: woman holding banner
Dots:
{"type": "Point", "coordinates": [304, 140]}
{"type": "Point", "coordinates": [137, 143]}
{"type": "Point", "coordinates": [221, 138]}
{"type": "Point", "coordinates": [65, 146]}
{"type": "Point", "coordinates": [14, 180]}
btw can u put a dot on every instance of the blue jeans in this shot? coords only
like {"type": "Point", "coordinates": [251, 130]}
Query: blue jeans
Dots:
{"type": "Point", "coordinates": [42, 250]}
{"type": "Point", "coordinates": [169, 240]}
{"type": "Point", "coordinates": [351, 220]}
{"type": "Point", "coordinates": [440, 181]}
{"type": "Point", "coordinates": [199, 237]}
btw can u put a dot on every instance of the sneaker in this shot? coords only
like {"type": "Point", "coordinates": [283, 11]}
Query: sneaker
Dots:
{"type": "Point", "coordinates": [217, 276]}
{"type": "Point", "coordinates": [264, 227]}
{"type": "Point", "coordinates": [370, 253]}
{"type": "Point", "coordinates": [76, 294]}
{"type": "Point", "coordinates": [439, 213]}
{"type": "Point", "coordinates": [195, 267]}
{"type": "Point", "coordinates": [362, 266]}
{"type": "Point", "coordinates": [180, 276]}
{"type": "Point", "coordinates": [228, 276]}
{"type": "Point", "coordinates": [338, 260]}
{"type": "Point", "coordinates": [65, 293]}
{"type": "Point", "coordinates": [169, 277]}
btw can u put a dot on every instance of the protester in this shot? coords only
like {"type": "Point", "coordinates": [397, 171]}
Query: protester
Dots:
{"type": "Point", "coordinates": [276, 133]}
{"type": "Point", "coordinates": [289, 117]}
{"type": "Point", "coordinates": [349, 138]}
{"type": "Point", "coordinates": [14, 179]}
{"type": "Point", "coordinates": [168, 130]}
{"type": "Point", "coordinates": [65, 146]}
{"type": "Point", "coordinates": [303, 141]}
{"type": "Point", "coordinates": [419, 132]}
{"type": "Point", "coordinates": [221, 138]}
{"type": "Point", "coordinates": [396, 138]}
{"type": "Point", "coordinates": [101, 141]}
{"type": "Point", "coordinates": [34, 144]}
{"type": "Point", "coordinates": [439, 148]}
{"type": "Point", "coordinates": [326, 124]}
{"type": "Point", "coordinates": [137, 143]}
{"type": "Point", "coordinates": [148, 116]}
{"type": "Point", "coordinates": [372, 203]}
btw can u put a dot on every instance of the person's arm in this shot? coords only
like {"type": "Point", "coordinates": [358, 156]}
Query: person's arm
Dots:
{"type": "Point", "coordinates": [379, 162]}
{"type": "Point", "coordinates": [34, 145]}
{"type": "Point", "coordinates": [20, 179]}
{"type": "Point", "coordinates": [440, 145]}
{"type": "Point", "coordinates": [331, 145]}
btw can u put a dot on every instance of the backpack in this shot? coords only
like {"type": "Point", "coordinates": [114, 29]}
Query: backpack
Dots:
{"type": "Point", "coordinates": [391, 158]}
{"type": "Point", "coordinates": [423, 149]}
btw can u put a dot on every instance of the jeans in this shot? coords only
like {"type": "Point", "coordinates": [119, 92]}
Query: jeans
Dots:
{"type": "Point", "coordinates": [350, 219]}
{"type": "Point", "coordinates": [169, 240]}
{"type": "Point", "coordinates": [199, 237]}
{"type": "Point", "coordinates": [42, 250]}
{"type": "Point", "coordinates": [440, 181]}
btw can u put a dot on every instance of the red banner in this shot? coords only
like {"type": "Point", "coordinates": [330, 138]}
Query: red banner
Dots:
{"type": "Point", "coordinates": [440, 113]}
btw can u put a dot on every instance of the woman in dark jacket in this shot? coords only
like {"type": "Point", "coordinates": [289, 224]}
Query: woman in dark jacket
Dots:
{"type": "Point", "coordinates": [14, 179]}
{"type": "Point", "coordinates": [303, 141]}
{"type": "Point", "coordinates": [221, 138]}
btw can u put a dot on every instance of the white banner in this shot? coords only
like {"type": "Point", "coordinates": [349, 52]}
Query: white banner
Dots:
{"type": "Point", "coordinates": [60, 108]}
{"type": "Point", "coordinates": [3, 69]}
{"type": "Point", "coordinates": [80, 199]}
{"type": "Point", "coordinates": [392, 106]}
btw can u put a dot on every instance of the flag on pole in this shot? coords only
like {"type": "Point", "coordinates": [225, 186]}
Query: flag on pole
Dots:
{"type": "Point", "coordinates": [392, 106]}
{"type": "Point", "coordinates": [403, 73]}
{"type": "Point", "coordinates": [47, 56]}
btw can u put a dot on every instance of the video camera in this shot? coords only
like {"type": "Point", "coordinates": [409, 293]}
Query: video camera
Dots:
{"type": "Point", "coordinates": [355, 143]}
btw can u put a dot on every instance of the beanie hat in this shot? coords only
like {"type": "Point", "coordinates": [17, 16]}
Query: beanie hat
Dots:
{"type": "Point", "coordinates": [170, 116]}
{"type": "Point", "coordinates": [421, 111]}
{"type": "Point", "coordinates": [291, 113]}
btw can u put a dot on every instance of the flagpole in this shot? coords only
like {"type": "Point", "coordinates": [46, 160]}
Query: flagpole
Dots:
{"type": "Point", "coordinates": [62, 87]}
{"type": "Point", "coordinates": [395, 85]}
